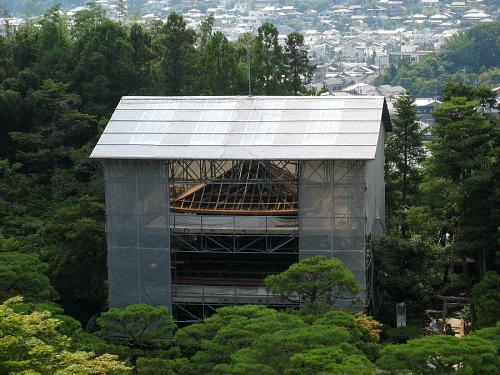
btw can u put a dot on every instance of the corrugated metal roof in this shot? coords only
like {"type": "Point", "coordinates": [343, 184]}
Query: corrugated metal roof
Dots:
{"type": "Point", "coordinates": [291, 128]}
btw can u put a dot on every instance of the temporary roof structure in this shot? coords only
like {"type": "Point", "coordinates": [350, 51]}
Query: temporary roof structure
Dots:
{"type": "Point", "coordinates": [252, 128]}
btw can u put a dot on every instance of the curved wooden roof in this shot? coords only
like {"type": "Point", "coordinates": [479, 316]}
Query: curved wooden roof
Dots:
{"type": "Point", "coordinates": [248, 188]}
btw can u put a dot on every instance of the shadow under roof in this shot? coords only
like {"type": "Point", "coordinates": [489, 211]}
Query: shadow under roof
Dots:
{"type": "Point", "coordinates": [242, 127]}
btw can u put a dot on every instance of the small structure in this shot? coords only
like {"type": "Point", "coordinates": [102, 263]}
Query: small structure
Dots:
{"type": "Point", "coordinates": [206, 196]}
{"type": "Point", "coordinates": [426, 106]}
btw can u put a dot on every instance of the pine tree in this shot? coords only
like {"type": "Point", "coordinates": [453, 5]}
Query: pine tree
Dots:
{"type": "Point", "coordinates": [464, 162]}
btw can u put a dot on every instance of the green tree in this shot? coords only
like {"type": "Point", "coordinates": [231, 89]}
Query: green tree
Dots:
{"type": "Point", "coordinates": [268, 61]}
{"type": "Point", "coordinates": [315, 279]}
{"type": "Point", "coordinates": [405, 152]}
{"type": "Point", "coordinates": [32, 343]}
{"type": "Point", "coordinates": [53, 49]}
{"type": "Point", "coordinates": [25, 275]}
{"type": "Point", "coordinates": [142, 58]}
{"type": "Point", "coordinates": [86, 20]}
{"type": "Point", "coordinates": [275, 349]}
{"type": "Point", "coordinates": [300, 70]}
{"type": "Point", "coordinates": [57, 128]}
{"type": "Point", "coordinates": [486, 298]}
{"type": "Point", "coordinates": [75, 250]}
{"type": "Point", "coordinates": [102, 61]}
{"type": "Point", "coordinates": [155, 366]}
{"type": "Point", "coordinates": [206, 30]}
{"type": "Point", "coordinates": [20, 204]}
{"type": "Point", "coordinates": [253, 339]}
{"type": "Point", "coordinates": [178, 55]}
{"type": "Point", "coordinates": [139, 326]}
{"type": "Point", "coordinates": [342, 359]}
{"type": "Point", "coordinates": [24, 47]}
{"type": "Point", "coordinates": [463, 158]}
{"type": "Point", "coordinates": [490, 333]}
{"type": "Point", "coordinates": [399, 263]}
{"type": "Point", "coordinates": [217, 66]}
{"type": "Point", "coordinates": [441, 355]}
{"type": "Point", "coordinates": [11, 117]}
{"type": "Point", "coordinates": [217, 338]}
{"type": "Point", "coordinates": [474, 48]}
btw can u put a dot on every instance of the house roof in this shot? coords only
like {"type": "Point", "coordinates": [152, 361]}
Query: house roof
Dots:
{"type": "Point", "coordinates": [252, 128]}
{"type": "Point", "coordinates": [422, 102]}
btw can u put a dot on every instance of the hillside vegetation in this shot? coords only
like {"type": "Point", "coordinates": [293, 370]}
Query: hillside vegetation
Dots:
{"type": "Point", "coordinates": [469, 57]}
{"type": "Point", "coordinates": [58, 88]}
{"type": "Point", "coordinates": [59, 84]}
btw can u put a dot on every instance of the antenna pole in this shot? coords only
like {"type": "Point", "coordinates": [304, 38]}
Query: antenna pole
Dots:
{"type": "Point", "coordinates": [249, 72]}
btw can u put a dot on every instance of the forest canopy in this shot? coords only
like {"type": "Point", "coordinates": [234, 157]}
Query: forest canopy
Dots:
{"type": "Point", "coordinates": [59, 83]}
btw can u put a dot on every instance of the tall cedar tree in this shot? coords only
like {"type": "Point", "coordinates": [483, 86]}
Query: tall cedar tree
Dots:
{"type": "Point", "coordinates": [206, 30]}
{"type": "Point", "coordinates": [217, 64]}
{"type": "Point", "coordinates": [142, 59]}
{"type": "Point", "coordinates": [405, 152]}
{"type": "Point", "coordinates": [103, 62]}
{"type": "Point", "coordinates": [53, 50]}
{"type": "Point", "coordinates": [298, 63]}
{"type": "Point", "coordinates": [178, 55]}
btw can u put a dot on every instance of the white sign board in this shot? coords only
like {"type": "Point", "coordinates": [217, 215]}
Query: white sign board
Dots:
{"type": "Point", "coordinates": [401, 314]}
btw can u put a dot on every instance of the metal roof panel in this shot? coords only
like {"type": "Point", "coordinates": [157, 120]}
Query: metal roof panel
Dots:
{"type": "Point", "coordinates": [244, 128]}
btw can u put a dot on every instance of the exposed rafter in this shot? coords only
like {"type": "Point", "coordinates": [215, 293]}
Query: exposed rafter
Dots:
{"type": "Point", "coordinates": [262, 188]}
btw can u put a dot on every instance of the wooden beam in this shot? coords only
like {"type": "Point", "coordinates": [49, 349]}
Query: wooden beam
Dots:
{"type": "Point", "coordinates": [211, 211]}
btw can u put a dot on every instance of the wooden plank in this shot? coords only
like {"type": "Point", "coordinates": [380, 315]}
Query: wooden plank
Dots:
{"type": "Point", "coordinates": [211, 211]}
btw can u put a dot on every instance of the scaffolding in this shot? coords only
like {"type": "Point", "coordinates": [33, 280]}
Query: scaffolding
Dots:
{"type": "Point", "coordinates": [206, 196]}
{"type": "Point", "coordinates": [206, 233]}
{"type": "Point", "coordinates": [232, 223]}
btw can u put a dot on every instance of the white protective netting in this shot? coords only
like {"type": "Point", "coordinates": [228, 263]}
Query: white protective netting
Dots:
{"type": "Point", "coordinates": [137, 232]}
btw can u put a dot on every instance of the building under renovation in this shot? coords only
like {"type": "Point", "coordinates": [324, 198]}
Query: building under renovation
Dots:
{"type": "Point", "coordinates": [206, 196]}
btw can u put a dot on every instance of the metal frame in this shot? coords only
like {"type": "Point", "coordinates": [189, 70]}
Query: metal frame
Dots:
{"type": "Point", "coordinates": [274, 243]}
{"type": "Point", "coordinates": [198, 312]}
{"type": "Point", "coordinates": [369, 306]}
{"type": "Point", "coordinates": [141, 185]}
{"type": "Point", "coordinates": [345, 180]}
{"type": "Point", "coordinates": [243, 231]}
{"type": "Point", "coordinates": [332, 215]}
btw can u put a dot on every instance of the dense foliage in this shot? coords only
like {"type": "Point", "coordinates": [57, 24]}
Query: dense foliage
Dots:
{"type": "Point", "coordinates": [486, 297]}
{"type": "Point", "coordinates": [315, 279]}
{"type": "Point", "coordinates": [404, 153]}
{"type": "Point", "coordinates": [32, 343]}
{"type": "Point", "coordinates": [441, 355]}
{"type": "Point", "coordinates": [58, 86]}
{"type": "Point", "coordinates": [400, 263]}
{"type": "Point", "coordinates": [443, 217]}
{"type": "Point", "coordinates": [253, 339]}
{"type": "Point", "coordinates": [470, 57]}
